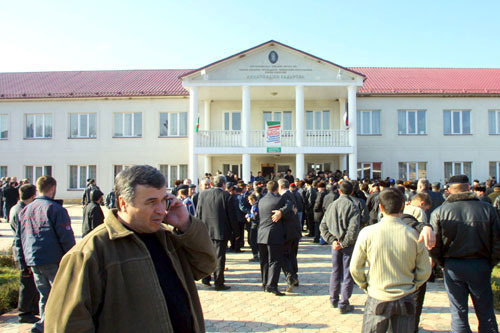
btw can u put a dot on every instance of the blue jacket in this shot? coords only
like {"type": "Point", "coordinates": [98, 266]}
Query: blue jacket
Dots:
{"type": "Point", "coordinates": [44, 233]}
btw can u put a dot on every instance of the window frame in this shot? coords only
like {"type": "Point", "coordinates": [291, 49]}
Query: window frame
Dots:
{"type": "Point", "coordinates": [78, 124]}
{"type": "Point", "coordinates": [281, 118]}
{"type": "Point", "coordinates": [359, 126]}
{"type": "Point", "coordinates": [79, 176]}
{"type": "Point", "coordinates": [418, 130]}
{"type": "Point", "coordinates": [44, 117]}
{"type": "Point", "coordinates": [4, 124]}
{"type": "Point", "coordinates": [230, 120]}
{"type": "Point", "coordinates": [33, 171]}
{"type": "Point", "coordinates": [359, 169]}
{"type": "Point", "coordinates": [461, 121]}
{"type": "Point", "coordinates": [170, 179]}
{"type": "Point", "coordinates": [496, 166]}
{"type": "Point", "coordinates": [318, 120]}
{"type": "Point", "coordinates": [417, 169]}
{"type": "Point", "coordinates": [455, 172]}
{"type": "Point", "coordinates": [494, 128]}
{"type": "Point", "coordinates": [169, 121]}
{"type": "Point", "coordinates": [132, 128]}
{"type": "Point", "coordinates": [4, 171]}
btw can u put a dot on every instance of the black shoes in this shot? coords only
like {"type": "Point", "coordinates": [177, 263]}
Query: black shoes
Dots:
{"type": "Point", "coordinates": [28, 319]}
{"type": "Point", "coordinates": [335, 304]}
{"type": "Point", "coordinates": [292, 283]}
{"type": "Point", "coordinates": [276, 292]}
{"type": "Point", "coordinates": [222, 287]}
{"type": "Point", "coordinates": [346, 309]}
{"type": "Point", "coordinates": [205, 283]}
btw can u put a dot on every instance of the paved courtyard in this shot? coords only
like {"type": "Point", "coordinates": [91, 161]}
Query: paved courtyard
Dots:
{"type": "Point", "coordinates": [246, 308]}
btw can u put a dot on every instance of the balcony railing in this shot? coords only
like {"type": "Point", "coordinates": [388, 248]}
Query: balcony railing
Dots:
{"type": "Point", "coordinates": [312, 138]}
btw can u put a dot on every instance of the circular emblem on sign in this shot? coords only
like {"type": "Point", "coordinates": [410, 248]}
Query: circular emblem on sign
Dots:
{"type": "Point", "coordinates": [273, 57]}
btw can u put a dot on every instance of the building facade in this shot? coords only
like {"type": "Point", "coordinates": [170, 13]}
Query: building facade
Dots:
{"type": "Point", "coordinates": [373, 122]}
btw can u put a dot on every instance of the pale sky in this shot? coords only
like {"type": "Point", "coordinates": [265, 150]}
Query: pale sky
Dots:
{"type": "Point", "coordinates": [55, 35]}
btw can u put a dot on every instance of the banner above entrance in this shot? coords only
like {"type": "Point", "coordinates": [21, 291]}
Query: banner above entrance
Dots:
{"type": "Point", "coordinates": [273, 136]}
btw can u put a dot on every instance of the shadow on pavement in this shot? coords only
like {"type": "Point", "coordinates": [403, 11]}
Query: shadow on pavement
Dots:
{"type": "Point", "coordinates": [244, 326]}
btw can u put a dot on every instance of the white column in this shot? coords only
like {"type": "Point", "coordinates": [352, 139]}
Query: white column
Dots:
{"type": "Point", "coordinates": [193, 117]}
{"type": "Point", "coordinates": [206, 116]}
{"type": "Point", "coordinates": [343, 162]}
{"type": "Point", "coordinates": [342, 103]}
{"type": "Point", "coordinates": [299, 166]}
{"type": "Point", "coordinates": [246, 163]}
{"type": "Point", "coordinates": [353, 139]}
{"type": "Point", "coordinates": [299, 115]}
{"type": "Point", "coordinates": [245, 116]}
{"type": "Point", "coordinates": [207, 164]}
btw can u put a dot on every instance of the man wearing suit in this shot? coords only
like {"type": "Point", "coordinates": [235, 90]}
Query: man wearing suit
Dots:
{"type": "Point", "coordinates": [218, 213]}
{"type": "Point", "coordinates": [293, 234]}
{"type": "Point", "coordinates": [271, 238]}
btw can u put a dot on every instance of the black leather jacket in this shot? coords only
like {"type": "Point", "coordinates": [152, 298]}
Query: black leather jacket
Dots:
{"type": "Point", "coordinates": [466, 228]}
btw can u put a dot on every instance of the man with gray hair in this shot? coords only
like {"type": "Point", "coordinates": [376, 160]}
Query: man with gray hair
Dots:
{"type": "Point", "coordinates": [218, 213]}
{"type": "Point", "coordinates": [136, 271]}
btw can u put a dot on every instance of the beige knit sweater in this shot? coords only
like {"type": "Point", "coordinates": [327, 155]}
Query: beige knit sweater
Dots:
{"type": "Point", "coordinates": [388, 261]}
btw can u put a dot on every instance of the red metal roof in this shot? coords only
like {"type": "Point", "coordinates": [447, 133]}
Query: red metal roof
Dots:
{"type": "Point", "coordinates": [447, 81]}
{"type": "Point", "coordinates": [92, 84]}
{"type": "Point", "coordinates": [134, 83]}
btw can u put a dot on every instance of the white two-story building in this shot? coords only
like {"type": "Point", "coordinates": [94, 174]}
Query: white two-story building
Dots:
{"type": "Point", "coordinates": [373, 122]}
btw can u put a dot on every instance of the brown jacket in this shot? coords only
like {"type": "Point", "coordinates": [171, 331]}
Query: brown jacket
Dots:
{"type": "Point", "coordinates": [108, 283]}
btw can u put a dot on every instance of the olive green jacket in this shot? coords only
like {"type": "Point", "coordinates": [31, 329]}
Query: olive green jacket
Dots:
{"type": "Point", "coordinates": [108, 282]}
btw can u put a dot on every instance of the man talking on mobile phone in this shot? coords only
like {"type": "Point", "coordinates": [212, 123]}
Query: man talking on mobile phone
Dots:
{"type": "Point", "coordinates": [136, 271]}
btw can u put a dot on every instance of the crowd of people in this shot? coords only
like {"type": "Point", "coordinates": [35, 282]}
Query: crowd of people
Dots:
{"type": "Point", "coordinates": [387, 236]}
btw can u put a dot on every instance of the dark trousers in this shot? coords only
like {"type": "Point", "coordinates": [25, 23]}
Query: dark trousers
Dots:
{"type": "Point", "coordinates": [399, 314]}
{"type": "Point", "coordinates": [290, 266]}
{"type": "Point", "coordinates": [220, 247]}
{"type": "Point", "coordinates": [470, 276]}
{"type": "Point", "coordinates": [28, 296]}
{"type": "Point", "coordinates": [310, 221]}
{"type": "Point", "coordinates": [317, 233]}
{"type": "Point", "coordinates": [341, 260]}
{"type": "Point", "coordinates": [271, 261]}
{"type": "Point", "coordinates": [419, 296]}
{"type": "Point", "coordinates": [237, 244]}
{"type": "Point", "coordinates": [252, 240]}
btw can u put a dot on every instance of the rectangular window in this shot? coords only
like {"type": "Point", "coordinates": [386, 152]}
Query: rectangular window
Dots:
{"type": "Point", "coordinates": [456, 122]}
{"type": "Point", "coordinates": [82, 125]}
{"type": "Point", "coordinates": [33, 172]}
{"type": "Point", "coordinates": [412, 170]}
{"type": "Point", "coordinates": [173, 173]}
{"type": "Point", "coordinates": [78, 175]}
{"type": "Point", "coordinates": [411, 122]}
{"type": "Point", "coordinates": [4, 126]}
{"type": "Point", "coordinates": [232, 121]}
{"type": "Point", "coordinates": [457, 168]}
{"type": "Point", "coordinates": [369, 170]}
{"type": "Point", "coordinates": [368, 122]}
{"type": "Point", "coordinates": [318, 120]}
{"type": "Point", "coordinates": [117, 168]}
{"type": "Point", "coordinates": [128, 124]}
{"type": "Point", "coordinates": [173, 124]}
{"type": "Point", "coordinates": [3, 171]}
{"type": "Point", "coordinates": [495, 170]}
{"type": "Point", "coordinates": [285, 118]}
{"type": "Point", "coordinates": [38, 126]}
{"type": "Point", "coordinates": [494, 121]}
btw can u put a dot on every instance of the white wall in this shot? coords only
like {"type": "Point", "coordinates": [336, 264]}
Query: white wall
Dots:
{"type": "Point", "coordinates": [435, 148]}
{"type": "Point", "coordinates": [103, 151]}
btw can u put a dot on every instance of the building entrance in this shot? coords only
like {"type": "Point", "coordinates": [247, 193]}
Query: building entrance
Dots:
{"type": "Point", "coordinates": [267, 169]}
